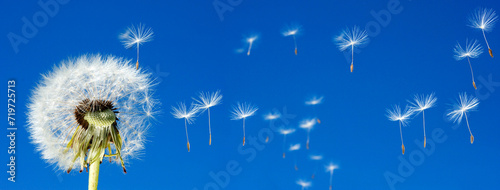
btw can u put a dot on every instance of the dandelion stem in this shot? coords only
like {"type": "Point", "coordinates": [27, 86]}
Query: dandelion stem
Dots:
{"type": "Point", "coordinates": [209, 128]}
{"type": "Point", "coordinates": [485, 40]}
{"type": "Point", "coordinates": [352, 57]}
{"type": "Point", "coordinates": [284, 141]}
{"type": "Point", "coordinates": [331, 179]}
{"type": "Point", "coordinates": [472, 72]}
{"type": "Point", "coordinates": [249, 48]}
{"type": "Point", "coordinates": [243, 131]}
{"type": "Point", "coordinates": [401, 132]}
{"type": "Point", "coordinates": [307, 143]}
{"type": "Point", "coordinates": [187, 137]}
{"type": "Point", "coordinates": [295, 43]}
{"type": "Point", "coordinates": [467, 120]}
{"type": "Point", "coordinates": [94, 175]}
{"type": "Point", "coordinates": [423, 114]}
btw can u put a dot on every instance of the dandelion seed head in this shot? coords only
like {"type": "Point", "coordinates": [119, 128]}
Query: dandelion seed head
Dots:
{"type": "Point", "coordinates": [314, 100]}
{"type": "Point", "coordinates": [292, 30]}
{"type": "Point", "coordinates": [464, 104]}
{"type": "Point", "coordinates": [307, 123]}
{"type": "Point", "coordinates": [208, 100]}
{"type": "Point", "coordinates": [304, 183]}
{"type": "Point", "coordinates": [397, 115]}
{"type": "Point", "coordinates": [294, 147]}
{"type": "Point", "coordinates": [316, 157]}
{"type": "Point", "coordinates": [350, 38]}
{"type": "Point", "coordinates": [272, 116]}
{"type": "Point", "coordinates": [95, 79]}
{"type": "Point", "coordinates": [136, 35]}
{"type": "Point", "coordinates": [472, 50]}
{"type": "Point", "coordinates": [181, 112]}
{"type": "Point", "coordinates": [243, 110]}
{"type": "Point", "coordinates": [286, 131]}
{"type": "Point", "coordinates": [483, 18]}
{"type": "Point", "coordinates": [330, 167]}
{"type": "Point", "coordinates": [251, 39]}
{"type": "Point", "coordinates": [422, 102]}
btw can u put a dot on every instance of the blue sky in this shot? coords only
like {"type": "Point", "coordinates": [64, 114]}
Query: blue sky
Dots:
{"type": "Point", "coordinates": [194, 50]}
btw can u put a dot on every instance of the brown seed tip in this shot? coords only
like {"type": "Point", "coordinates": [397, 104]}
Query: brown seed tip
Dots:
{"type": "Point", "coordinates": [210, 140]}
{"type": "Point", "coordinates": [137, 65]}
{"type": "Point", "coordinates": [243, 141]}
{"type": "Point", "coordinates": [295, 51]}
{"type": "Point", "coordinates": [474, 84]}
{"type": "Point", "coordinates": [283, 155]}
{"type": "Point", "coordinates": [403, 148]}
{"type": "Point", "coordinates": [81, 170]}
{"type": "Point", "coordinates": [491, 52]}
{"type": "Point", "coordinates": [189, 147]}
{"type": "Point", "coordinates": [319, 121]}
{"type": "Point", "coordinates": [312, 177]}
{"type": "Point", "coordinates": [124, 170]}
{"type": "Point", "coordinates": [425, 139]}
{"type": "Point", "coordinates": [471, 139]}
{"type": "Point", "coordinates": [69, 170]}
{"type": "Point", "coordinates": [307, 145]}
{"type": "Point", "coordinates": [352, 67]}
{"type": "Point", "coordinates": [296, 168]}
{"type": "Point", "coordinates": [267, 139]}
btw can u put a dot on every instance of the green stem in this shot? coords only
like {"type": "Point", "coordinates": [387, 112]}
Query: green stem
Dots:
{"type": "Point", "coordinates": [94, 175]}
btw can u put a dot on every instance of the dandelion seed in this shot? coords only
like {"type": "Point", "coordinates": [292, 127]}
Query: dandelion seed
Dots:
{"type": "Point", "coordinates": [330, 168]}
{"type": "Point", "coordinates": [295, 147]}
{"type": "Point", "coordinates": [472, 50]}
{"type": "Point", "coordinates": [135, 36]}
{"type": "Point", "coordinates": [271, 117]}
{"type": "Point", "coordinates": [315, 158]}
{"type": "Point", "coordinates": [206, 101]}
{"type": "Point", "coordinates": [420, 104]}
{"type": "Point", "coordinates": [313, 102]}
{"type": "Point", "coordinates": [396, 115]}
{"type": "Point", "coordinates": [464, 104]}
{"type": "Point", "coordinates": [351, 39]}
{"type": "Point", "coordinates": [242, 111]}
{"type": "Point", "coordinates": [181, 112]}
{"type": "Point", "coordinates": [484, 19]}
{"type": "Point", "coordinates": [87, 105]}
{"type": "Point", "coordinates": [304, 184]}
{"type": "Point", "coordinates": [308, 124]}
{"type": "Point", "coordinates": [285, 132]}
{"type": "Point", "coordinates": [292, 31]}
{"type": "Point", "coordinates": [250, 41]}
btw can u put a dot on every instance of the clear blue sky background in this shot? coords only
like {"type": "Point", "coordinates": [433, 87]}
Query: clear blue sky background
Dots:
{"type": "Point", "coordinates": [411, 54]}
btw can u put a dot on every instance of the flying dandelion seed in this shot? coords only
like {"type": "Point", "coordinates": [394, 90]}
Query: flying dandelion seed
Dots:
{"type": "Point", "coordinates": [420, 104]}
{"type": "Point", "coordinates": [308, 124]}
{"type": "Point", "coordinates": [315, 158]}
{"type": "Point", "coordinates": [242, 111]}
{"type": "Point", "coordinates": [485, 20]}
{"type": "Point", "coordinates": [330, 168]}
{"type": "Point", "coordinates": [351, 39]}
{"type": "Point", "coordinates": [135, 36]}
{"type": "Point", "coordinates": [87, 105]}
{"type": "Point", "coordinates": [206, 101]}
{"type": "Point", "coordinates": [292, 148]}
{"type": "Point", "coordinates": [181, 112]}
{"type": "Point", "coordinates": [285, 132]}
{"type": "Point", "coordinates": [313, 102]}
{"type": "Point", "coordinates": [472, 50]}
{"type": "Point", "coordinates": [292, 31]}
{"type": "Point", "coordinates": [271, 117]}
{"type": "Point", "coordinates": [464, 104]}
{"type": "Point", "coordinates": [250, 41]}
{"type": "Point", "coordinates": [396, 115]}
{"type": "Point", "coordinates": [304, 184]}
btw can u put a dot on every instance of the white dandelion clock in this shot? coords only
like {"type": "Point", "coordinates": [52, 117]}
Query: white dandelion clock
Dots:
{"type": "Point", "coordinates": [472, 50]}
{"type": "Point", "coordinates": [307, 125]}
{"type": "Point", "coordinates": [285, 132]}
{"type": "Point", "coordinates": [420, 104]}
{"type": "Point", "coordinates": [293, 31]}
{"type": "Point", "coordinates": [242, 111]}
{"type": "Point", "coordinates": [330, 168]}
{"type": "Point", "coordinates": [464, 104]}
{"type": "Point", "coordinates": [304, 184]}
{"type": "Point", "coordinates": [484, 19]}
{"type": "Point", "coordinates": [206, 101]}
{"type": "Point", "coordinates": [351, 38]}
{"type": "Point", "coordinates": [402, 117]}
{"type": "Point", "coordinates": [136, 36]}
{"type": "Point", "coordinates": [181, 112]}
{"type": "Point", "coordinates": [87, 105]}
